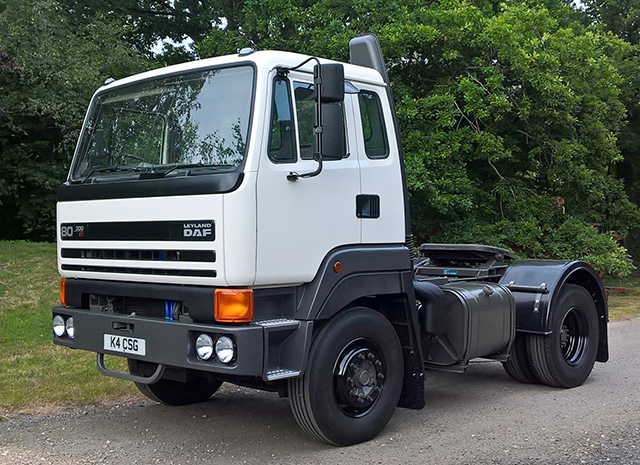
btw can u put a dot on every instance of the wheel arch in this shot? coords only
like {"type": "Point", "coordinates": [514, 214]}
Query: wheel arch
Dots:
{"type": "Point", "coordinates": [534, 309]}
{"type": "Point", "coordinates": [379, 278]}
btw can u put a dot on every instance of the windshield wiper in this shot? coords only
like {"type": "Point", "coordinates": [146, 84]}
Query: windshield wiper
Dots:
{"type": "Point", "coordinates": [151, 174]}
{"type": "Point", "coordinates": [108, 169]}
{"type": "Point", "coordinates": [182, 166]}
{"type": "Point", "coordinates": [194, 165]}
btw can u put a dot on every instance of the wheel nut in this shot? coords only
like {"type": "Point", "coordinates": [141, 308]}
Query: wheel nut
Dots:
{"type": "Point", "coordinates": [371, 356]}
{"type": "Point", "coordinates": [360, 356]}
{"type": "Point", "coordinates": [380, 375]}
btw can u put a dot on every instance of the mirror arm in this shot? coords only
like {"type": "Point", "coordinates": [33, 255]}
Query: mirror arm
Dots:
{"type": "Point", "coordinates": [293, 176]}
{"type": "Point", "coordinates": [317, 81]}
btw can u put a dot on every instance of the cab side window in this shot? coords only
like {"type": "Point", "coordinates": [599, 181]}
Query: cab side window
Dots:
{"type": "Point", "coordinates": [375, 137]}
{"type": "Point", "coordinates": [305, 110]}
{"type": "Point", "coordinates": [282, 140]}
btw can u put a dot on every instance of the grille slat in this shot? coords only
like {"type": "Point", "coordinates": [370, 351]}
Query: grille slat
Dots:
{"type": "Point", "coordinates": [206, 256]}
{"type": "Point", "coordinates": [143, 271]}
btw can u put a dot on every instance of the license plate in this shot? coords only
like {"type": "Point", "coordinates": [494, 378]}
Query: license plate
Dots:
{"type": "Point", "coordinates": [125, 345]}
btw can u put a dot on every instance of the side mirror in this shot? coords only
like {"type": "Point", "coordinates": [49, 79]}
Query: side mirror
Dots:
{"type": "Point", "coordinates": [328, 136]}
{"type": "Point", "coordinates": [331, 76]}
{"type": "Point", "coordinates": [332, 132]}
{"type": "Point", "coordinates": [330, 141]}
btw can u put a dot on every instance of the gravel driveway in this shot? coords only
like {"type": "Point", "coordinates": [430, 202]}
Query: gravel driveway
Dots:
{"type": "Point", "coordinates": [480, 417]}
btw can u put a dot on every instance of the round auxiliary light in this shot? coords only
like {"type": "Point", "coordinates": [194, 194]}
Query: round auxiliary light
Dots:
{"type": "Point", "coordinates": [58, 326]}
{"type": "Point", "coordinates": [204, 346]}
{"type": "Point", "coordinates": [69, 327]}
{"type": "Point", "coordinates": [224, 349]}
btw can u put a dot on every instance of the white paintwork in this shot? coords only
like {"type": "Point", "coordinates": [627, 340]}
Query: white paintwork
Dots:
{"type": "Point", "coordinates": [238, 234]}
{"type": "Point", "coordinates": [144, 209]}
{"type": "Point", "coordinates": [299, 222]}
{"type": "Point", "coordinates": [382, 177]}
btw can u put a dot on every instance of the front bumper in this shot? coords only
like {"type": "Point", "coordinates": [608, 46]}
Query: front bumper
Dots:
{"type": "Point", "coordinates": [270, 350]}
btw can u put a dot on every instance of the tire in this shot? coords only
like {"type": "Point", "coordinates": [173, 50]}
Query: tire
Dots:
{"type": "Point", "coordinates": [565, 357]}
{"type": "Point", "coordinates": [170, 392]}
{"type": "Point", "coordinates": [353, 379]}
{"type": "Point", "coordinates": [517, 365]}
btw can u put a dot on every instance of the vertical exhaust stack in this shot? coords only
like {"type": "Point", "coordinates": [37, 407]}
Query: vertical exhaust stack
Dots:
{"type": "Point", "coordinates": [365, 51]}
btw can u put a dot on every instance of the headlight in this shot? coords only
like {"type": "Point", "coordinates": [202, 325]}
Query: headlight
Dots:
{"type": "Point", "coordinates": [224, 349]}
{"type": "Point", "coordinates": [58, 326]}
{"type": "Point", "coordinates": [69, 327]}
{"type": "Point", "coordinates": [204, 346]}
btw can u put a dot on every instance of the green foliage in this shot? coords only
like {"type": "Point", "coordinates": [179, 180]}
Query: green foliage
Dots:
{"type": "Point", "coordinates": [502, 113]}
{"type": "Point", "coordinates": [143, 23]}
{"type": "Point", "coordinates": [557, 238]}
{"type": "Point", "coordinates": [51, 68]}
{"type": "Point", "coordinates": [621, 19]}
{"type": "Point", "coordinates": [619, 16]}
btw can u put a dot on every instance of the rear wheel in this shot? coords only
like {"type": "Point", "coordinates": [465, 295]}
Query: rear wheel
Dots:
{"type": "Point", "coordinates": [169, 392]}
{"type": "Point", "coordinates": [517, 365]}
{"type": "Point", "coordinates": [353, 380]}
{"type": "Point", "coordinates": [565, 357]}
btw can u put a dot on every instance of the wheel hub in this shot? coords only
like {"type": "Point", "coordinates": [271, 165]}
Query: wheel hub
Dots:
{"type": "Point", "coordinates": [358, 377]}
{"type": "Point", "coordinates": [573, 336]}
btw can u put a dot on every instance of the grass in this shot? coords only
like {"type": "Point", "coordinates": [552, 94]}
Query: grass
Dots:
{"type": "Point", "coordinates": [35, 374]}
{"type": "Point", "coordinates": [38, 376]}
{"type": "Point", "coordinates": [624, 296]}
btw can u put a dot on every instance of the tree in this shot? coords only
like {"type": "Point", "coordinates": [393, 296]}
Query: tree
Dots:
{"type": "Point", "coordinates": [145, 24]}
{"type": "Point", "coordinates": [621, 19]}
{"type": "Point", "coordinates": [48, 71]}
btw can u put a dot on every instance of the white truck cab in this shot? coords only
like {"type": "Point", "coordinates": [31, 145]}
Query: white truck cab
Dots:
{"type": "Point", "coordinates": [205, 149]}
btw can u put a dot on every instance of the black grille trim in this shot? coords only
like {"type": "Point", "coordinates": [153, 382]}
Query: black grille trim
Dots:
{"type": "Point", "coordinates": [207, 256]}
{"type": "Point", "coordinates": [143, 271]}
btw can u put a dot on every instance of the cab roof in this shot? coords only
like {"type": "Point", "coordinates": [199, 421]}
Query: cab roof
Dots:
{"type": "Point", "coordinates": [265, 60]}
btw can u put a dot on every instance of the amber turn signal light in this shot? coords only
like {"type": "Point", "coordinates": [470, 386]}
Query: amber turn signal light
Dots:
{"type": "Point", "coordinates": [63, 292]}
{"type": "Point", "coordinates": [233, 305]}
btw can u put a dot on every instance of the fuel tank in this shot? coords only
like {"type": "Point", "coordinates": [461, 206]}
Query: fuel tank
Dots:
{"type": "Point", "coordinates": [472, 319]}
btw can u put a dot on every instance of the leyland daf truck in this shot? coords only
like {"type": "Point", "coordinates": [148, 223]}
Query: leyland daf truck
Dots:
{"type": "Point", "coordinates": [244, 219]}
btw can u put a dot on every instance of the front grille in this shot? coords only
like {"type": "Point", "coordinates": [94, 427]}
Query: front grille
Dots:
{"type": "Point", "coordinates": [148, 308]}
{"type": "Point", "coordinates": [208, 256]}
{"type": "Point", "coordinates": [143, 271]}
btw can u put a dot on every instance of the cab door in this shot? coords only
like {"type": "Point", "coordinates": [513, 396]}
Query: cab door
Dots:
{"type": "Point", "coordinates": [300, 221]}
{"type": "Point", "coordinates": [382, 199]}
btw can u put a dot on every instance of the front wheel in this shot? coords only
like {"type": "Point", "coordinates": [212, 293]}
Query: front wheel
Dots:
{"type": "Point", "coordinates": [565, 357]}
{"type": "Point", "coordinates": [170, 392]}
{"type": "Point", "coordinates": [353, 380]}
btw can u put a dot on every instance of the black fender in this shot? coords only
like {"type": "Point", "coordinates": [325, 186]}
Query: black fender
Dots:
{"type": "Point", "coordinates": [379, 277]}
{"type": "Point", "coordinates": [536, 284]}
{"type": "Point", "coordinates": [351, 272]}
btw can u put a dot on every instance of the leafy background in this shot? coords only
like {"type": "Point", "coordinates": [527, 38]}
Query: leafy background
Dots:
{"type": "Point", "coordinates": [519, 119]}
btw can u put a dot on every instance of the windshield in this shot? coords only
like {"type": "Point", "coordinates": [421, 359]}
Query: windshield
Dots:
{"type": "Point", "coordinates": [173, 126]}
